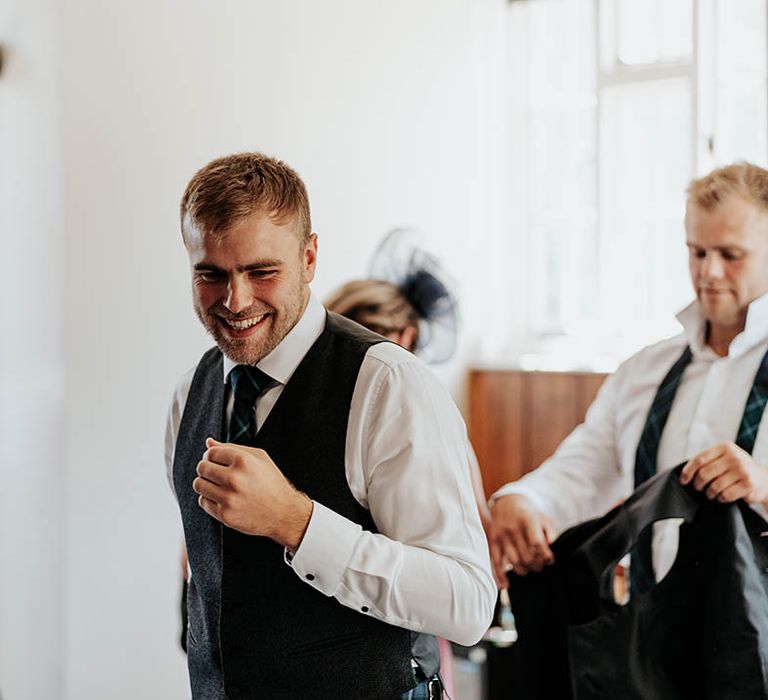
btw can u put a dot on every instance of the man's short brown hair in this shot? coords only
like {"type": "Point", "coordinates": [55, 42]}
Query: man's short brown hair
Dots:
{"type": "Point", "coordinates": [743, 179]}
{"type": "Point", "coordinates": [231, 188]}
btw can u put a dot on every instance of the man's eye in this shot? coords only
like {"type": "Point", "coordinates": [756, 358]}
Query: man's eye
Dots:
{"type": "Point", "coordinates": [261, 274]}
{"type": "Point", "coordinates": [731, 255]}
{"type": "Point", "coordinates": [210, 276]}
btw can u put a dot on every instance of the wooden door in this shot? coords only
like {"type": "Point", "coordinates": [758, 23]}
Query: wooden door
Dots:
{"type": "Point", "coordinates": [517, 419]}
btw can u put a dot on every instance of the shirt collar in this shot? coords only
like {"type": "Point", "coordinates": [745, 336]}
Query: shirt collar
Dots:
{"type": "Point", "coordinates": [282, 362]}
{"type": "Point", "coordinates": [755, 328]}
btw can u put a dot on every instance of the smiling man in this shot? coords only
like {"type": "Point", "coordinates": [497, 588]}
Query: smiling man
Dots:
{"type": "Point", "coordinates": [698, 397]}
{"type": "Point", "coordinates": [320, 471]}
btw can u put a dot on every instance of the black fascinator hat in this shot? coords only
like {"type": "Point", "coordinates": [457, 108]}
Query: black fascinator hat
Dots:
{"type": "Point", "coordinates": [402, 260]}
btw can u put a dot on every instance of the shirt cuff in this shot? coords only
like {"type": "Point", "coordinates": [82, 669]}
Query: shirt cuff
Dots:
{"type": "Point", "coordinates": [325, 550]}
{"type": "Point", "coordinates": [519, 489]}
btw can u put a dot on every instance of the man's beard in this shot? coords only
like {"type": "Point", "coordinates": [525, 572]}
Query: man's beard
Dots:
{"type": "Point", "coordinates": [250, 350]}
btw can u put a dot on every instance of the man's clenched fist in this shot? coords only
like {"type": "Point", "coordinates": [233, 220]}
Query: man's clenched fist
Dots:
{"type": "Point", "coordinates": [243, 488]}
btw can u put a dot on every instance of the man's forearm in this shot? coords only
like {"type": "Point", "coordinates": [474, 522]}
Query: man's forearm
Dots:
{"type": "Point", "coordinates": [448, 594]}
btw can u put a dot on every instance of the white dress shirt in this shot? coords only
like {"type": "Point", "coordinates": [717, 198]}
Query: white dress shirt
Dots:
{"type": "Point", "coordinates": [428, 568]}
{"type": "Point", "coordinates": [593, 469]}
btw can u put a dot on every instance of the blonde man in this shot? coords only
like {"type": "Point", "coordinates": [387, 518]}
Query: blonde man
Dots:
{"type": "Point", "coordinates": [689, 398]}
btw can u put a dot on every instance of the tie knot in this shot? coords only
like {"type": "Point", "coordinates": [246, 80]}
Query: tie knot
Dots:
{"type": "Point", "coordinates": [248, 382]}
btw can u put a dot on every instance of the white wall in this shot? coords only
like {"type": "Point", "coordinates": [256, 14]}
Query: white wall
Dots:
{"type": "Point", "coordinates": [31, 368]}
{"type": "Point", "coordinates": [390, 111]}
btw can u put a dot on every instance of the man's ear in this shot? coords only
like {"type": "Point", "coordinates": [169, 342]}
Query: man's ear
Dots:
{"type": "Point", "coordinates": [309, 258]}
{"type": "Point", "coordinates": [408, 338]}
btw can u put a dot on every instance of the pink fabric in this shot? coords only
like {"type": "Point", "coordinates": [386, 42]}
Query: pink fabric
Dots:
{"type": "Point", "coordinates": [446, 665]}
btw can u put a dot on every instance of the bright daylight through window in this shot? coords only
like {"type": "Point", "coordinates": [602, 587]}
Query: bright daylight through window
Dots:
{"type": "Point", "coordinates": [616, 105]}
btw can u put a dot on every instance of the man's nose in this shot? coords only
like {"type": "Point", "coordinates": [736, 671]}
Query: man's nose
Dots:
{"type": "Point", "coordinates": [238, 295]}
{"type": "Point", "coordinates": [712, 268]}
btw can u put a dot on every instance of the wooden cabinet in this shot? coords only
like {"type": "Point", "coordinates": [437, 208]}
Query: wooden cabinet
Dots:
{"type": "Point", "coordinates": [517, 419]}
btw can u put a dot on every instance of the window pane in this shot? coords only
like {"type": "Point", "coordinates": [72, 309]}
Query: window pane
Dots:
{"type": "Point", "coordinates": [603, 215]}
{"type": "Point", "coordinates": [645, 166]}
{"type": "Point", "coordinates": [562, 160]}
{"type": "Point", "coordinates": [653, 31]}
{"type": "Point", "coordinates": [740, 81]}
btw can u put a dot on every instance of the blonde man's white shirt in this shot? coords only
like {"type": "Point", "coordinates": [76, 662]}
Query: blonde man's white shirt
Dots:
{"type": "Point", "coordinates": [593, 469]}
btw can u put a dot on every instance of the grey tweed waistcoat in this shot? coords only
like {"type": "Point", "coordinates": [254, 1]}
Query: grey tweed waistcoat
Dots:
{"type": "Point", "coordinates": [255, 629]}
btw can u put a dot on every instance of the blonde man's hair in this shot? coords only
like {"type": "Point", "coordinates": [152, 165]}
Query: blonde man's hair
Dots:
{"type": "Point", "coordinates": [743, 179]}
{"type": "Point", "coordinates": [375, 304]}
{"type": "Point", "coordinates": [231, 188]}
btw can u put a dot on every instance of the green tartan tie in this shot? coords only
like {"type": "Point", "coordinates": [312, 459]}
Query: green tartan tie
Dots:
{"type": "Point", "coordinates": [753, 411]}
{"type": "Point", "coordinates": [641, 576]}
{"type": "Point", "coordinates": [648, 447]}
{"type": "Point", "coordinates": [247, 384]}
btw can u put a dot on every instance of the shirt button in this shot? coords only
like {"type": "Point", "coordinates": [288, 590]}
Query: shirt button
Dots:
{"type": "Point", "coordinates": [364, 608]}
{"type": "Point", "coordinates": [310, 577]}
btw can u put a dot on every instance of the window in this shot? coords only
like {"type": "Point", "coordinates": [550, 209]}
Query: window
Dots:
{"type": "Point", "coordinates": [616, 106]}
